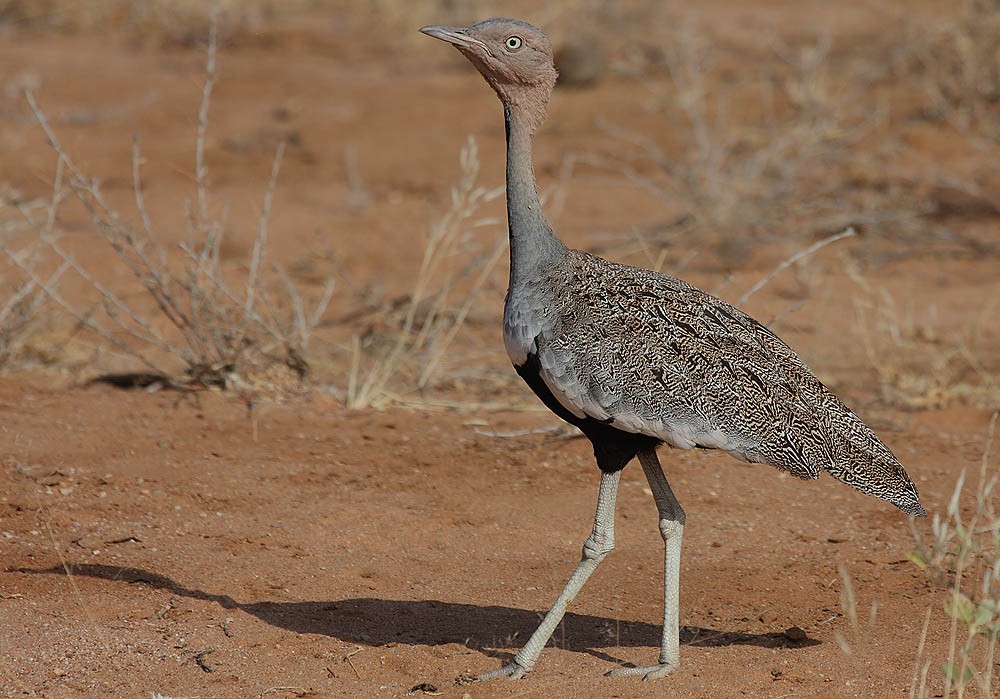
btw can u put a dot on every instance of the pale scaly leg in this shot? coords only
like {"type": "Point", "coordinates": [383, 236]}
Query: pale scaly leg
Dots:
{"type": "Point", "coordinates": [595, 548]}
{"type": "Point", "coordinates": [672, 530]}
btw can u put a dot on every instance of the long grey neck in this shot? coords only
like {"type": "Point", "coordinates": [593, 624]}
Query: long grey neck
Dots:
{"type": "Point", "coordinates": [533, 247]}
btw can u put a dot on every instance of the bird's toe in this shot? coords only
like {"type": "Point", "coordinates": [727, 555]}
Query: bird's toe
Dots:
{"type": "Point", "coordinates": [661, 670]}
{"type": "Point", "coordinates": [647, 672]}
{"type": "Point", "coordinates": [510, 671]}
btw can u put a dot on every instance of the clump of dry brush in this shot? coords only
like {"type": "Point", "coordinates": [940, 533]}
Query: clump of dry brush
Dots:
{"type": "Point", "coordinates": [21, 299]}
{"type": "Point", "coordinates": [160, 22]}
{"type": "Point", "coordinates": [920, 365]}
{"type": "Point", "coordinates": [956, 62]}
{"type": "Point", "coordinates": [963, 555]}
{"type": "Point", "coordinates": [225, 330]}
{"type": "Point", "coordinates": [402, 360]}
{"type": "Point", "coordinates": [785, 151]}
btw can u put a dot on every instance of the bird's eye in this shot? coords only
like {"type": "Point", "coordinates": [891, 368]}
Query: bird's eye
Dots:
{"type": "Point", "coordinates": [513, 43]}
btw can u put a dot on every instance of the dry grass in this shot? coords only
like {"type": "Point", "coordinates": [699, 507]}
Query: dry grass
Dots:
{"type": "Point", "coordinates": [956, 64]}
{"type": "Point", "coordinates": [246, 333]}
{"type": "Point", "coordinates": [455, 266]}
{"type": "Point", "coordinates": [158, 22]}
{"type": "Point", "coordinates": [963, 555]}
{"type": "Point", "coordinates": [920, 365]}
{"type": "Point", "coordinates": [800, 163]}
{"type": "Point", "coordinates": [945, 76]}
{"type": "Point", "coordinates": [22, 298]}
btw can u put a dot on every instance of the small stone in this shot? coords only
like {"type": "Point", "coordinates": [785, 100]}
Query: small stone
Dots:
{"type": "Point", "coordinates": [794, 633]}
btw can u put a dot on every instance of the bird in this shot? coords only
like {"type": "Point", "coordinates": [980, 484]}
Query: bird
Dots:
{"type": "Point", "coordinates": [636, 359]}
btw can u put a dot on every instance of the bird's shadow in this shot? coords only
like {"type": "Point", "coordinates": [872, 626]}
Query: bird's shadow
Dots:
{"type": "Point", "coordinates": [377, 622]}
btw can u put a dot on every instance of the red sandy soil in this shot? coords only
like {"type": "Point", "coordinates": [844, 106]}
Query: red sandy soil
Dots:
{"type": "Point", "coordinates": [178, 543]}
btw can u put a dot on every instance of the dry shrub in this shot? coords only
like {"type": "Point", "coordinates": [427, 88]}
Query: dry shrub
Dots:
{"type": "Point", "coordinates": [963, 555]}
{"type": "Point", "coordinates": [22, 299]}
{"type": "Point", "coordinates": [798, 163]}
{"type": "Point", "coordinates": [406, 15]}
{"type": "Point", "coordinates": [942, 81]}
{"type": "Point", "coordinates": [59, 15]}
{"type": "Point", "coordinates": [230, 331]}
{"type": "Point", "coordinates": [186, 22]}
{"type": "Point", "coordinates": [406, 355]}
{"type": "Point", "coordinates": [918, 364]}
{"type": "Point", "coordinates": [159, 22]}
{"type": "Point", "coordinates": [956, 62]}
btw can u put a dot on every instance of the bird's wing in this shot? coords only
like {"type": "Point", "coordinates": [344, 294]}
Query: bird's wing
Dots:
{"type": "Point", "coordinates": [653, 355]}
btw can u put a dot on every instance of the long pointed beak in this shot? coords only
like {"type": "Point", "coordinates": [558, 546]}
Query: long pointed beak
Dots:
{"type": "Point", "coordinates": [455, 36]}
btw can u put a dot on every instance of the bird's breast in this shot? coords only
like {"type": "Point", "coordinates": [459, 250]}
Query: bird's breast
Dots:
{"type": "Point", "coordinates": [526, 318]}
{"type": "Point", "coordinates": [517, 339]}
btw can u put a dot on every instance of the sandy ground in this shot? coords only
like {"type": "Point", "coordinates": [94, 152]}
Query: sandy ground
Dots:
{"type": "Point", "coordinates": [183, 544]}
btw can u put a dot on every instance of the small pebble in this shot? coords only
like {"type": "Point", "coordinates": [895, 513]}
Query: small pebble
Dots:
{"type": "Point", "coordinates": [794, 633]}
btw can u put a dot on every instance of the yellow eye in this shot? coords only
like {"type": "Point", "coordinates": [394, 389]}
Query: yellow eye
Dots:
{"type": "Point", "coordinates": [513, 43]}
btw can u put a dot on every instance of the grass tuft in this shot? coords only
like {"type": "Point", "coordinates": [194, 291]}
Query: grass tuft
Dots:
{"type": "Point", "coordinates": [22, 299]}
{"type": "Point", "coordinates": [956, 64]}
{"type": "Point", "coordinates": [919, 364]}
{"type": "Point", "coordinates": [963, 555]}
{"type": "Point", "coordinates": [406, 358]}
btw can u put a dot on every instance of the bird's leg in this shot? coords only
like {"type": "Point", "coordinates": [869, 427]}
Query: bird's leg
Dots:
{"type": "Point", "coordinates": [672, 530]}
{"type": "Point", "coordinates": [598, 545]}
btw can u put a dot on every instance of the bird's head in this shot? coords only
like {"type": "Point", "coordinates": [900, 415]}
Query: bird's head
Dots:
{"type": "Point", "coordinates": [514, 57]}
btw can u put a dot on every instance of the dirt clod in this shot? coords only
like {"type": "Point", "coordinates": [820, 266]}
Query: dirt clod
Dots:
{"type": "Point", "coordinates": [795, 634]}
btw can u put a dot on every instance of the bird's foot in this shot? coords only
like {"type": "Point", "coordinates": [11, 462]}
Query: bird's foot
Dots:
{"type": "Point", "coordinates": [648, 672]}
{"type": "Point", "coordinates": [510, 671]}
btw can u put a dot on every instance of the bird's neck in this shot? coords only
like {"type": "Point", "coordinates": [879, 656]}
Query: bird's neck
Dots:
{"type": "Point", "coordinates": [532, 243]}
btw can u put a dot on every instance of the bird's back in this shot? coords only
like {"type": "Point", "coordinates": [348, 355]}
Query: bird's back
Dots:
{"type": "Point", "coordinates": [646, 354]}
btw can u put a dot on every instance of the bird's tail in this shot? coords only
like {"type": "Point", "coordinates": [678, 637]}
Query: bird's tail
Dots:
{"type": "Point", "coordinates": [863, 462]}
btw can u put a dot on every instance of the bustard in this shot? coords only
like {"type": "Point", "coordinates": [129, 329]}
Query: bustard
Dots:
{"type": "Point", "coordinates": [634, 358]}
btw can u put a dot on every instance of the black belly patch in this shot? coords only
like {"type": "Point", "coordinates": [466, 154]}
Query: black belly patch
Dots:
{"type": "Point", "coordinates": [613, 448]}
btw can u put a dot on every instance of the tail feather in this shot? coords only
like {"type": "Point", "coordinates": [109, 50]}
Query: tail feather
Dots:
{"type": "Point", "coordinates": [881, 476]}
{"type": "Point", "coordinates": [862, 461]}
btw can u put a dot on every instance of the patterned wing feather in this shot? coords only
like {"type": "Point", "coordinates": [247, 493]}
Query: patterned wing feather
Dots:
{"type": "Point", "coordinates": [653, 355]}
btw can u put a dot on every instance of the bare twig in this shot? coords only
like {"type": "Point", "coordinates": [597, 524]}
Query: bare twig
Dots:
{"type": "Point", "coordinates": [260, 243]}
{"type": "Point", "coordinates": [199, 659]}
{"type": "Point", "coordinates": [920, 655]}
{"type": "Point", "coordinates": [201, 170]}
{"type": "Point", "coordinates": [72, 580]}
{"type": "Point", "coordinates": [847, 233]}
{"type": "Point", "coordinates": [519, 433]}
